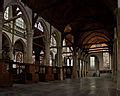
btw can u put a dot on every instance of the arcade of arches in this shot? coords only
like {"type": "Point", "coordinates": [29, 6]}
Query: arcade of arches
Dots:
{"type": "Point", "coordinates": [59, 40]}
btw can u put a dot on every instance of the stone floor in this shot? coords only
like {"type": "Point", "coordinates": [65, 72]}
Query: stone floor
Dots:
{"type": "Point", "coordinates": [79, 87]}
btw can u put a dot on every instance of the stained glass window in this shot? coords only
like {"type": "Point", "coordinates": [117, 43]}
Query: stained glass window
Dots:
{"type": "Point", "coordinates": [39, 26]}
{"type": "Point", "coordinates": [6, 13]}
{"type": "Point", "coordinates": [19, 21]}
{"type": "Point", "coordinates": [53, 41]}
{"type": "Point", "coordinates": [53, 49]}
{"type": "Point", "coordinates": [68, 62]}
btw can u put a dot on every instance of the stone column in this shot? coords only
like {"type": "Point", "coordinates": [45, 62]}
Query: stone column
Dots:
{"type": "Point", "coordinates": [5, 77]}
{"type": "Point", "coordinates": [47, 49]}
{"type": "Point", "coordinates": [78, 67]}
{"type": "Point", "coordinates": [60, 61]}
{"type": "Point", "coordinates": [30, 68]}
{"type": "Point", "coordinates": [12, 25]}
{"type": "Point", "coordinates": [75, 63]}
{"type": "Point", "coordinates": [114, 58]}
{"type": "Point", "coordinates": [112, 63]}
{"type": "Point", "coordinates": [48, 75]}
{"type": "Point", "coordinates": [29, 47]}
{"type": "Point", "coordinates": [82, 68]}
{"type": "Point", "coordinates": [118, 47]}
{"type": "Point", "coordinates": [25, 55]}
{"type": "Point", "coordinates": [1, 25]}
{"type": "Point", "coordinates": [85, 68]}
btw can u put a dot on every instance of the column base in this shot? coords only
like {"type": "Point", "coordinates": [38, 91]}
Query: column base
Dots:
{"type": "Point", "coordinates": [31, 76]}
{"type": "Point", "coordinates": [5, 76]}
{"type": "Point", "coordinates": [49, 74]}
{"type": "Point", "coordinates": [61, 75]}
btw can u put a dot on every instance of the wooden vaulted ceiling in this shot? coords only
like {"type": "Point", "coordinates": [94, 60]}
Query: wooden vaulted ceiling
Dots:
{"type": "Point", "coordinates": [94, 17]}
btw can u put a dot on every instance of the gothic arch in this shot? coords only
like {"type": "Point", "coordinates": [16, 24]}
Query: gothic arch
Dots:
{"type": "Point", "coordinates": [57, 37]}
{"type": "Point", "coordinates": [22, 42]}
{"type": "Point", "coordinates": [6, 46]}
{"type": "Point", "coordinates": [7, 37]}
{"type": "Point", "coordinates": [43, 24]}
{"type": "Point", "coordinates": [19, 50]}
{"type": "Point", "coordinates": [96, 57]}
{"type": "Point", "coordinates": [25, 14]}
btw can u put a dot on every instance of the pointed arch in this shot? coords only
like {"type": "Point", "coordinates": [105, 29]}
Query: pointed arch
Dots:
{"type": "Point", "coordinates": [22, 42]}
{"type": "Point", "coordinates": [6, 45]}
{"type": "Point", "coordinates": [25, 14]}
{"type": "Point", "coordinates": [19, 50]}
{"type": "Point", "coordinates": [7, 37]}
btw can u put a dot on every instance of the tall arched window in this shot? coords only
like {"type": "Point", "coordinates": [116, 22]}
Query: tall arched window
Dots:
{"type": "Point", "coordinates": [42, 57]}
{"type": "Point", "coordinates": [18, 51]}
{"type": "Point", "coordinates": [39, 26]}
{"type": "Point", "coordinates": [67, 53]}
{"type": "Point", "coordinates": [53, 49]}
{"type": "Point", "coordinates": [68, 62]}
{"type": "Point", "coordinates": [6, 13]}
{"type": "Point", "coordinates": [53, 42]}
{"type": "Point", "coordinates": [66, 50]}
{"type": "Point", "coordinates": [33, 57]}
{"type": "Point", "coordinates": [92, 62]}
{"type": "Point", "coordinates": [19, 21]}
{"type": "Point", "coordinates": [14, 21]}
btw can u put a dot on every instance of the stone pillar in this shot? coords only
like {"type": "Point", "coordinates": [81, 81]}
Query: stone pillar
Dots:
{"type": "Point", "coordinates": [82, 68]}
{"type": "Point", "coordinates": [85, 68]}
{"type": "Point", "coordinates": [75, 63]}
{"type": "Point", "coordinates": [5, 77]}
{"type": "Point", "coordinates": [25, 55]}
{"type": "Point", "coordinates": [112, 63]}
{"type": "Point", "coordinates": [30, 67]}
{"type": "Point", "coordinates": [48, 75]}
{"type": "Point", "coordinates": [60, 61]}
{"type": "Point", "coordinates": [47, 49]}
{"type": "Point", "coordinates": [78, 67]}
{"type": "Point", "coordinates": [1, 25]}
{"type": "Point", "coordinates": [114, 59]}
{"type": "Point", "coordinates": [118, 47]}
{"type": "Point", "coordinates": [29, 47]}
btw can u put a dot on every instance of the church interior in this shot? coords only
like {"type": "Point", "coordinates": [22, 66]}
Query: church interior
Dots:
{"type": "Point", "coordinates": [63, 47]}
